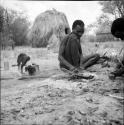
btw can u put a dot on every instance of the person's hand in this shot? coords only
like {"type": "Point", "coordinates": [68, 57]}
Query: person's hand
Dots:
{"type": "Point", "coordinates": [81, 68]}
{"type": "Point", "coordinates": [76, 70]}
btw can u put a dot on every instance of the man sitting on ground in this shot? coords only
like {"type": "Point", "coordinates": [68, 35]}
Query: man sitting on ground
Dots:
{"type": "Point", "coordinates": [70, 52]}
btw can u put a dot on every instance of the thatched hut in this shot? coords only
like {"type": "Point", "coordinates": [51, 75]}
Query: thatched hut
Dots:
{"type": "Point", "coordinates": [50, 23]}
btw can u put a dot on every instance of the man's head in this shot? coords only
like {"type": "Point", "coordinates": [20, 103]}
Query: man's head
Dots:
{"type": "Point", "coordinates": [78, 27]}
{"type": "Point", "coordinates": [117, 28]}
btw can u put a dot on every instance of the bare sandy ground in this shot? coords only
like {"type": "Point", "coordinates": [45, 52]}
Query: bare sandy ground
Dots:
{"type": "Point", "coordinates": [53, 99]}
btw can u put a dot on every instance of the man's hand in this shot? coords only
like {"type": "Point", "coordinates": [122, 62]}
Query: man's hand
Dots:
{"type": "Point", "coordinates": [80, 69]}
{"type": "Point", "coordinates": [77, 70]}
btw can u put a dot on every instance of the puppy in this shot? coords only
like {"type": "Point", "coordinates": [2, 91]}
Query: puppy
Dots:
{"type": "Point", "coordinates": [32, 69]}
{"type": "Point", "coordinates": [22, 60]}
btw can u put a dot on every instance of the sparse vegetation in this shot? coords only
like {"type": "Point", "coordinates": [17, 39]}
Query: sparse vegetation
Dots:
{"type": "Point", "coordinates": [51, 97]}
{"type": "Point", "coordinates": [13, 27]}
{"type": "Point", "coordinates": [29, 100]}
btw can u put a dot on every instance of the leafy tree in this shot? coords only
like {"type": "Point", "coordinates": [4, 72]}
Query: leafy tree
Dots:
{"type": "Point", "coordinates": [1, 18]}
{"type": "Point", "coordinates": [110, 8]}
{"type": "Point", "coordinates": [13, 27]}
{"type": "Point", "coordinates": [113, 7]}
{"type": "Point", "coordinates": [19, 29]}
{"type": "Point", "coordinates": [3, 26]}
{"type": "Point", "coordinates": [103, 24]}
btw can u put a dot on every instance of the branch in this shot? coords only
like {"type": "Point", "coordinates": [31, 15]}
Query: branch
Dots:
{"type": "Point", "coordinates": [120, 6]}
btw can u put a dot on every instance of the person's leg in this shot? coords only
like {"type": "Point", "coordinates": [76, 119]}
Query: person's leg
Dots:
{"type": "Point", "coordinates": [22, 68]}
{"type": "Point", "coordinates": [24, 61]}
{"type": "Point", "coordinates": [19, 63]}
{"type": "Point", "coordinates": [89, 60]}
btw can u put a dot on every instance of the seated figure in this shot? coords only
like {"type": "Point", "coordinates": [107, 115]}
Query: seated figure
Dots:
{"type": "Point", "coordinates": [117, 30]}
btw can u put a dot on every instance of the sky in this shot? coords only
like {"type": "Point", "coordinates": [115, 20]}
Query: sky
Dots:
{"type": "Point", "coordinates": [88, 11]}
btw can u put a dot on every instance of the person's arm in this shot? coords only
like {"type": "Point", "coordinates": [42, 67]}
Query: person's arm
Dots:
{"type": "Point", "coordinates": [62, 59]}
{"type": "Point", "coordinates": [75, 53]}
{"type": "Point", "coordinates": [65, 62]}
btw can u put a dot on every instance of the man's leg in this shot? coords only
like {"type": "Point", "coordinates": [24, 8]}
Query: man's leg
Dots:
{"type": "Point", "coordinates": [89, 60]}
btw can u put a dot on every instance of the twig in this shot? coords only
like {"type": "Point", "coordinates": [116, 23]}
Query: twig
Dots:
{"type": "Point", "coordinates": [121, 50]}
{"type": "Point", "coordinates": [119, 54]}
{"type": "Point", "coordinates": [117, 97]}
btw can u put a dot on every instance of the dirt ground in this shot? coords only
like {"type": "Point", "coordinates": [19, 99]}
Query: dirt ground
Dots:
{"type": "Point", "coordinates": [54, 99]}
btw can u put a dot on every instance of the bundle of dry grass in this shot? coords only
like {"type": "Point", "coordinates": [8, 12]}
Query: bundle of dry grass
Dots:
{"type": "Point", "coordinates": [45, 25]}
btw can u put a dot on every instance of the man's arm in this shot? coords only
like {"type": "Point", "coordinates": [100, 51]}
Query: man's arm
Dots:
{"type": "Point", "coordinates": [76, 55]}
{"type": "Point", "coordinates": [64, 61]}
{"type": "Point", "coordinates": [61, 58]}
